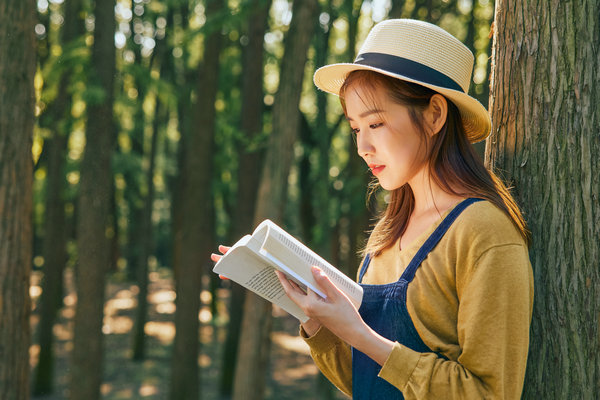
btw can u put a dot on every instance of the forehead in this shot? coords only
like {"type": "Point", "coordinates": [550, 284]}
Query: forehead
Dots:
{"type": "Point", "coordinates": [369, 92]}
{"type": "Point", "coordinates": [359, 98]}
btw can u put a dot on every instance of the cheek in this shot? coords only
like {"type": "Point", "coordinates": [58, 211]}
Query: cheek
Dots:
{"type": "Point", "coordinates": [411, 151]}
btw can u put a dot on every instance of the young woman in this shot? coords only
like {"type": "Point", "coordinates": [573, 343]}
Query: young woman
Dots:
{"type": "Point", "coordinates": [448, 286]}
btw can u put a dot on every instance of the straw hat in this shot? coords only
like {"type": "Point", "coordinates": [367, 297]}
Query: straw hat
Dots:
{"type": "Point", "coordinates": [422, 53]}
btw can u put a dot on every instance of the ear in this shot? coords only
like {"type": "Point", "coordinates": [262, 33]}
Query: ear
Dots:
{"type": "Point", "coordinates": [436, 113]}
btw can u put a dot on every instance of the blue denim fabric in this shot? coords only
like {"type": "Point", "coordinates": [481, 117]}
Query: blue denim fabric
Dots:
{"type": "Point", "coordinates": [384, 309]}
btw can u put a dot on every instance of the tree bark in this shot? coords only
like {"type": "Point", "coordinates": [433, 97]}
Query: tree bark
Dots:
{"type": "Point", "coordinates": [17, 70]}
{"type": "Point", "coordinates": [95, 190]}
{"type": "Point", "coordinates": [55, 232]}
{"type": "Point", "coordinates": [545, 104]}
{"type": "Point", "coordinates": [256, 326]}
{"type": "Point", "coordinates": [197, 238]}
{"type": "Point", "coordinates": [248, 173]}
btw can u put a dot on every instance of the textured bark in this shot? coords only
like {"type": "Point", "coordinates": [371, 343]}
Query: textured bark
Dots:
{"type": "Point", "coordinates": [95, 191]}
{"type": "Point", "coordinates": [248, 174]}
{"type": "Point", "coordinates": [17, 69]}
{"type": "Point", "coordinates": [545, 105]}
{"type": "Point", "coordinates": [198, 223]}
{"type": "Point", "coordinates": [55, 231]}
{"type": "Point", "coordinates": [254, 347]}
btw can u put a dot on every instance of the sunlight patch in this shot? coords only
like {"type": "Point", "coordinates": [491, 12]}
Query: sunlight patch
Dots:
{"type": "Point", "coordinates": [290, 342]}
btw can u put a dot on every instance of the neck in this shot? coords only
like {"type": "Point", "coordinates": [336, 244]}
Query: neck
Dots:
{"type": "Point", "coordinates": [429, 196]}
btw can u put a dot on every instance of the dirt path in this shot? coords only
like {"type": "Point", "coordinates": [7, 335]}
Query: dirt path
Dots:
{"type": "Point", "coordinates": [292, 374]}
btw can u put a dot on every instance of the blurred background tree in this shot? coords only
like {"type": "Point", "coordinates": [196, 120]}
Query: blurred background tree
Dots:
{"type": "Point", "coordinates": [17, 101]}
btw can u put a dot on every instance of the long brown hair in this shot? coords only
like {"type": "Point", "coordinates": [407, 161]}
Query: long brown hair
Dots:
{"type": "Point", "coordinates": [453, 163]}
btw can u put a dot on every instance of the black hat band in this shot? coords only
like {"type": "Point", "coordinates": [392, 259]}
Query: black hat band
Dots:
{"type": "Point", "coordinates": [408, 68]}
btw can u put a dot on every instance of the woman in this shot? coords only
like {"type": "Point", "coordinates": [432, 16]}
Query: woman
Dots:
{"type": "Point", "coordinates": [447, 278]}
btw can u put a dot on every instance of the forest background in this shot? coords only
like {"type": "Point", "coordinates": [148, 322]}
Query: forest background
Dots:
{"type": "Point", "coordinates": [160, 128]}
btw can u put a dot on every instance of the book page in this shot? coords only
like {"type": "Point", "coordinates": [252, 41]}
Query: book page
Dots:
{"type": "Point", "coordinates": [296, 260]}
{"type": "Point", "coordinates": [253, 272]}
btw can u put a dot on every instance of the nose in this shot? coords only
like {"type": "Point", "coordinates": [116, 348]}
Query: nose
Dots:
{"type": "Point", "coordinates": [364, 147]}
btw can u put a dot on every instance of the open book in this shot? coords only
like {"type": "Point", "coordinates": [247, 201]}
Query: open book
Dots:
{"type": "Point", "coordinates": [253, 259]}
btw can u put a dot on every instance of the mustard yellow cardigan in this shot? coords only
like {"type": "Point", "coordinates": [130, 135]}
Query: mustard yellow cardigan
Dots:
{"type": "Point", "coordinates": [471, 300]}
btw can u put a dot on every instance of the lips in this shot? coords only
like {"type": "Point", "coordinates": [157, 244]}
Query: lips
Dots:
{"type": "Point", "coordinates": [376, 168]}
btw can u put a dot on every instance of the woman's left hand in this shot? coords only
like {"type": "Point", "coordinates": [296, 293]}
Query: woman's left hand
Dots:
{"type": "Point", "coordinates": [336, 312]}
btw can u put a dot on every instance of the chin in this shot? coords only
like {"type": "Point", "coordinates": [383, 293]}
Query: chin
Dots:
{"type": "Point", "coordinates": [390, 186]}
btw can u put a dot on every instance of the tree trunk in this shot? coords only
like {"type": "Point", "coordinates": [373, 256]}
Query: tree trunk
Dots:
{"type": "Point", "coordinates": [545, 105]}
{"type": "Point", "coordinates": [397, 9]}
{"type": "Point", "coordinates": [146, 244]}
{"type": "Point", "coordinates": [55, 232]}
{"type": "Point", "coordinates": [17, 70]}
{"type": "Point", "coordinates": [198, 223]}
{"type": "Point", "coordinates": [356, 185]}
{"type": "Point", "coordinates": [95, 189]}
{"type": "Point", "coordinates": [254, 346]}
{"type": "Point", "coordinates": [248, 174]}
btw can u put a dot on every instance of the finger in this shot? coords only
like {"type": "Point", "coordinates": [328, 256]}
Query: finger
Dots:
{"type": "Point", "coordinates": [224, 249]}
{"type": "Point", "coordinates": [285, 282]}
{"type": "Point", "coordinates": [215, 257]}
{"type": "Point", "coordinates": [324, 282]}
{"type": "Point", "coordinates": [290, 287]}
{"type": "Point", "coordinates": [297, 287]}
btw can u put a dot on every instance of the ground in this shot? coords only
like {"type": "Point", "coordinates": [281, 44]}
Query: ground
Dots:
{"type": "Point", "coordinates": [292, 374]}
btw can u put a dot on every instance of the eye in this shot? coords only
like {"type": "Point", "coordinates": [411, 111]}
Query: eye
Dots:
{"type": "Point", "coordinates": [377, 125]}
{"type": "Point", "coordinates": [354, 130]}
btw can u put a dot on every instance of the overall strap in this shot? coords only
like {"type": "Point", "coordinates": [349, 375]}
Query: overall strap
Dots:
{"type": "Point", "coordinates": [434, 238]}
{"type": "Point", "coordinates": [364, 267]}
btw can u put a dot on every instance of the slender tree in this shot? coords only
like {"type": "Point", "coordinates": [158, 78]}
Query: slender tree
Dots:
{"type": "Point", "coordinates": [145, 238]}
{"type": "Point", "coordinates": [397, 8]}
{"type": "Point", "coordinates": [95, 191]}
{"type": "Point", "coordinates": [55, 233]}
{"type": "Point", "coordinates": [357, 181]}
{"type": "Point", "coordinates": [250, 156]}
{"type": "Point", "coordinates": [146, 243]}
{"type": "Point", "coordinates": [198, 224]}
{"type": "Point", "coordinates": [17, 70]}
{"type": "Point", "coordinates": [545, 105]}
{"type": "Point", "coordinates": [256, 326]}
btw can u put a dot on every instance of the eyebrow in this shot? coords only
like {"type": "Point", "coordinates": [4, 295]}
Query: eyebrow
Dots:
{"type": "Point", "coordinates": [366, 113]}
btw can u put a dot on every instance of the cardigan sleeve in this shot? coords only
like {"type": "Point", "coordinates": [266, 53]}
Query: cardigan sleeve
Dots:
{"type": "Point", "coordinates": [495, 306]}
{"type": "Point", "coordinates": [332, 356]}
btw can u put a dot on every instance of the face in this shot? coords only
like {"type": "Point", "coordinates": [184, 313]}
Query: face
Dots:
{"type": "Point", "coordinates": [386, 138]}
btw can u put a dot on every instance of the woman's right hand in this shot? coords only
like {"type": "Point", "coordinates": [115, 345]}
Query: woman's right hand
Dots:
{"type": "Point", "coordinates": [216, 257]}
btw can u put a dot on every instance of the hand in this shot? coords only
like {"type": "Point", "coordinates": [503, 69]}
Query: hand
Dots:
{"type": "Point", "coordinates": [336, 312]}
{"type": "Point", "coordinates": [217, 257]}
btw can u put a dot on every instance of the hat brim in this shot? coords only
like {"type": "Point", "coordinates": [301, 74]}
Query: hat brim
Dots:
{"type": "Point", "coordinates": [475, 117]}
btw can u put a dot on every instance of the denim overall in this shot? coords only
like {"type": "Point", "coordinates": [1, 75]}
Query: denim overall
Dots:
{"type": "Point", "coordinates": [384, 309]}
